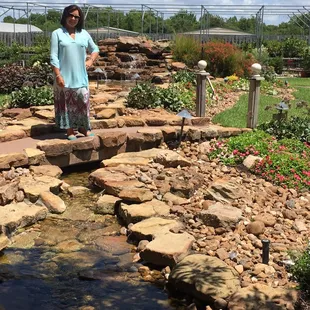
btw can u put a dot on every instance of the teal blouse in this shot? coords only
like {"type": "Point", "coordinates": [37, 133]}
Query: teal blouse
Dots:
{"type": "Point", "coordinates": [69, 55]}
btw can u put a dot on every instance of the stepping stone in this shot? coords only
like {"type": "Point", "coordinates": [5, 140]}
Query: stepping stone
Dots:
{"type": "Point", "coordinates": [167, 249]}
{"type": "Point", "coordinates": [138, 212]}
{"type": "Point", "coordinates": [148, 229]}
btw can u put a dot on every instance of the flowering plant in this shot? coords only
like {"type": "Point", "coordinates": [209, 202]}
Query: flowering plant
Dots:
{"type": "Point", "coordinates": [285, 162]}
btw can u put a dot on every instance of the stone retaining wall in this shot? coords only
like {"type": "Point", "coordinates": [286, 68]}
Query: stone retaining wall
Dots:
{"type": "Point", "coordinates": [104, 145]}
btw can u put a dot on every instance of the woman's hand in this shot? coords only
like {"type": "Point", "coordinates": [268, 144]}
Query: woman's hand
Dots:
{"type": "Point", "coordinates": [60, 81]}
{"type": "Point", "coordinates": [89, 62]}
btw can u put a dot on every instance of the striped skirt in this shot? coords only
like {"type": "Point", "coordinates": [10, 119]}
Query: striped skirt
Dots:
{"type": "Point", "coordinates": [71, 107]}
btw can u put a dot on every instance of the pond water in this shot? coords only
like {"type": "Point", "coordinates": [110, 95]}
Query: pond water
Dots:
{"type": "Point", "coordinates": [75, 260]}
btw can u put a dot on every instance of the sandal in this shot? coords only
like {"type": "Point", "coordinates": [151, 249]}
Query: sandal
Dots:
{"type": "Point", "coordinates": [86, 133]}
{"type": "Point", "coordinates": [71, 137]}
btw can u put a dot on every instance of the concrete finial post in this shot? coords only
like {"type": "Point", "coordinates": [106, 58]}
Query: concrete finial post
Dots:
{"type": "Point", "coordinates": [254, 96]}
{"type": "Point", "coordinates": [201, 89]}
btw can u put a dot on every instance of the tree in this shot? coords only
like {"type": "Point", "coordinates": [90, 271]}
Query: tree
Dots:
{"type": "Point", "coordinates": [8, 19]}
{"type": "Point", "coordinates": [182, 21]}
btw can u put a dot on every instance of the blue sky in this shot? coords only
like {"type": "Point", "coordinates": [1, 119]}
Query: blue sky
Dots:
{"type": "Point", "coordinates": [275, 11]}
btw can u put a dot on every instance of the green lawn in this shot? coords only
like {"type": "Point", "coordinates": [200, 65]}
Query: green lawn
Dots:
{"type": "Point", "coordinates": [295, 82]}
{"type": "Point", "coordinates": [237, 115]}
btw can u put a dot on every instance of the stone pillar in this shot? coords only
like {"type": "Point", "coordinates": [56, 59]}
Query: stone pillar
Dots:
{"type": "Point", "coordinates": [254, 96]}
{"type": "Point", "coordinates": [201, 89]}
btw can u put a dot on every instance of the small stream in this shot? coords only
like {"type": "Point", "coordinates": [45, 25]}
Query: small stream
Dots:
{"type": "Point", "coordinates": [75, 260]}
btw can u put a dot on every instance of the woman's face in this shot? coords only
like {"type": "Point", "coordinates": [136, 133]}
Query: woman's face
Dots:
{"type": "Point", "coordinates": [73, 18]}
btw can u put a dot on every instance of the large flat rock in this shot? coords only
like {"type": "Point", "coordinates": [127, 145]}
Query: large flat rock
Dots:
{"type": "Point", "coordinates": [16, 215]}
{"type": "Point", "coordinates": [137, 212]}
{"type": "Point", "coordinates": [165, 157]}
{"type": "Point", "coordinates": [151, 227]}
{"type": "Point", "coordinates": [167, 249]}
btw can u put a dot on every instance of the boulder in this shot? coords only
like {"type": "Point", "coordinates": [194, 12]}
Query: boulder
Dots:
{"type": "Point", "coordinates": [220, 215]}
{"type": "Point", "coordinates": [204, 277]}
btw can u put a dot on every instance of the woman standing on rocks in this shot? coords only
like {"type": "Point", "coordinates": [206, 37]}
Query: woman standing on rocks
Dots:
{"type": "Point", "coordinates": [69, 62]}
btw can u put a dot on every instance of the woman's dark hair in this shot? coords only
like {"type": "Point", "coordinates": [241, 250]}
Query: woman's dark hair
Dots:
{"type": "Point", "coordinates": [66, 13]}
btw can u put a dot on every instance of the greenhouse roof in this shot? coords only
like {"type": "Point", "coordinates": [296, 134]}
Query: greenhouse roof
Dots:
{"type": "Point", "coordinates": [111, 30]}
{"type": "Point", "coordinates": [221, 32]}
{"type": "Point", "coordinates": [14, 28]}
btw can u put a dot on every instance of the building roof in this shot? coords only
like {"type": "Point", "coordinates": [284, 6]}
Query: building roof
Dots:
{"type": "Point", "coordinates": [221, 32]}
{"type": "Point", "coordinates": [11, 27]}
{"type": "Point", "coordinates": [111, 30]}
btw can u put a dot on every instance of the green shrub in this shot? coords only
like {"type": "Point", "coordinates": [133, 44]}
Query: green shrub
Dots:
{"type": "Point", "coordinates": [277, 64]}
{"type": "Point", "coordinates": [274, 48]}
{"type": "Point", "coordinates": [174, 98]}
{"type": "Point", "coordinates": [294, 128]}
{"type": "Point", "coordinates": [293, 47]}
{"type": "Point", "coordinates": [261, 54]}
{"type": "Point", "coordinates": [10, 54]}
{"type": "Point", "coordinates": [41, 50]}
{"type": "Point", "coordinates": [306, 60]}
{"type": "Point", "coordinates": [269, 73]}
{"type": "Point", "coordinates": [143, 96]}
{"type": "Point", "coordinates": [184, 76]}
{"type": "Point", "coordinates": [301, 270]}
{"type": "Point", "coordinates": [29, 96]}
{"type": "Point", "coordinates": [186, 49]}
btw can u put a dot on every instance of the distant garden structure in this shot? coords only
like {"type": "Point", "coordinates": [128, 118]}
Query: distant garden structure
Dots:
{"type": "Point", "coordinates": [159, 21]}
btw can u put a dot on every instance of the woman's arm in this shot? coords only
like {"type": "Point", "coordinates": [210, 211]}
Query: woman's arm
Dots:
{"type": "Point", "coordinates": [54, 58]}
{"type": "Point", "coordinates": [94, 50]}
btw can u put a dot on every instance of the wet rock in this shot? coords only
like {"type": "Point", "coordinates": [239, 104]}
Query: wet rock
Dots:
{"type": "Point", "coordinates": [17, 215]}
{"type": "Point", "coordinates": [75, 191]}
{"type": "Point", "coordinates": [33, 186]}
{"type": "Point", "coordinates": [69, 246]}
{"type": "Point", "coordinates": [107, 204]}
{"type": "Point", "coordinates": [4, 241]}
{"type": "Point", "coordinates": [53, 203]}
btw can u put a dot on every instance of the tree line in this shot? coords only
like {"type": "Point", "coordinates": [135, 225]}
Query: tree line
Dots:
{"type": "Point", "coordinates": [182, 21]}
